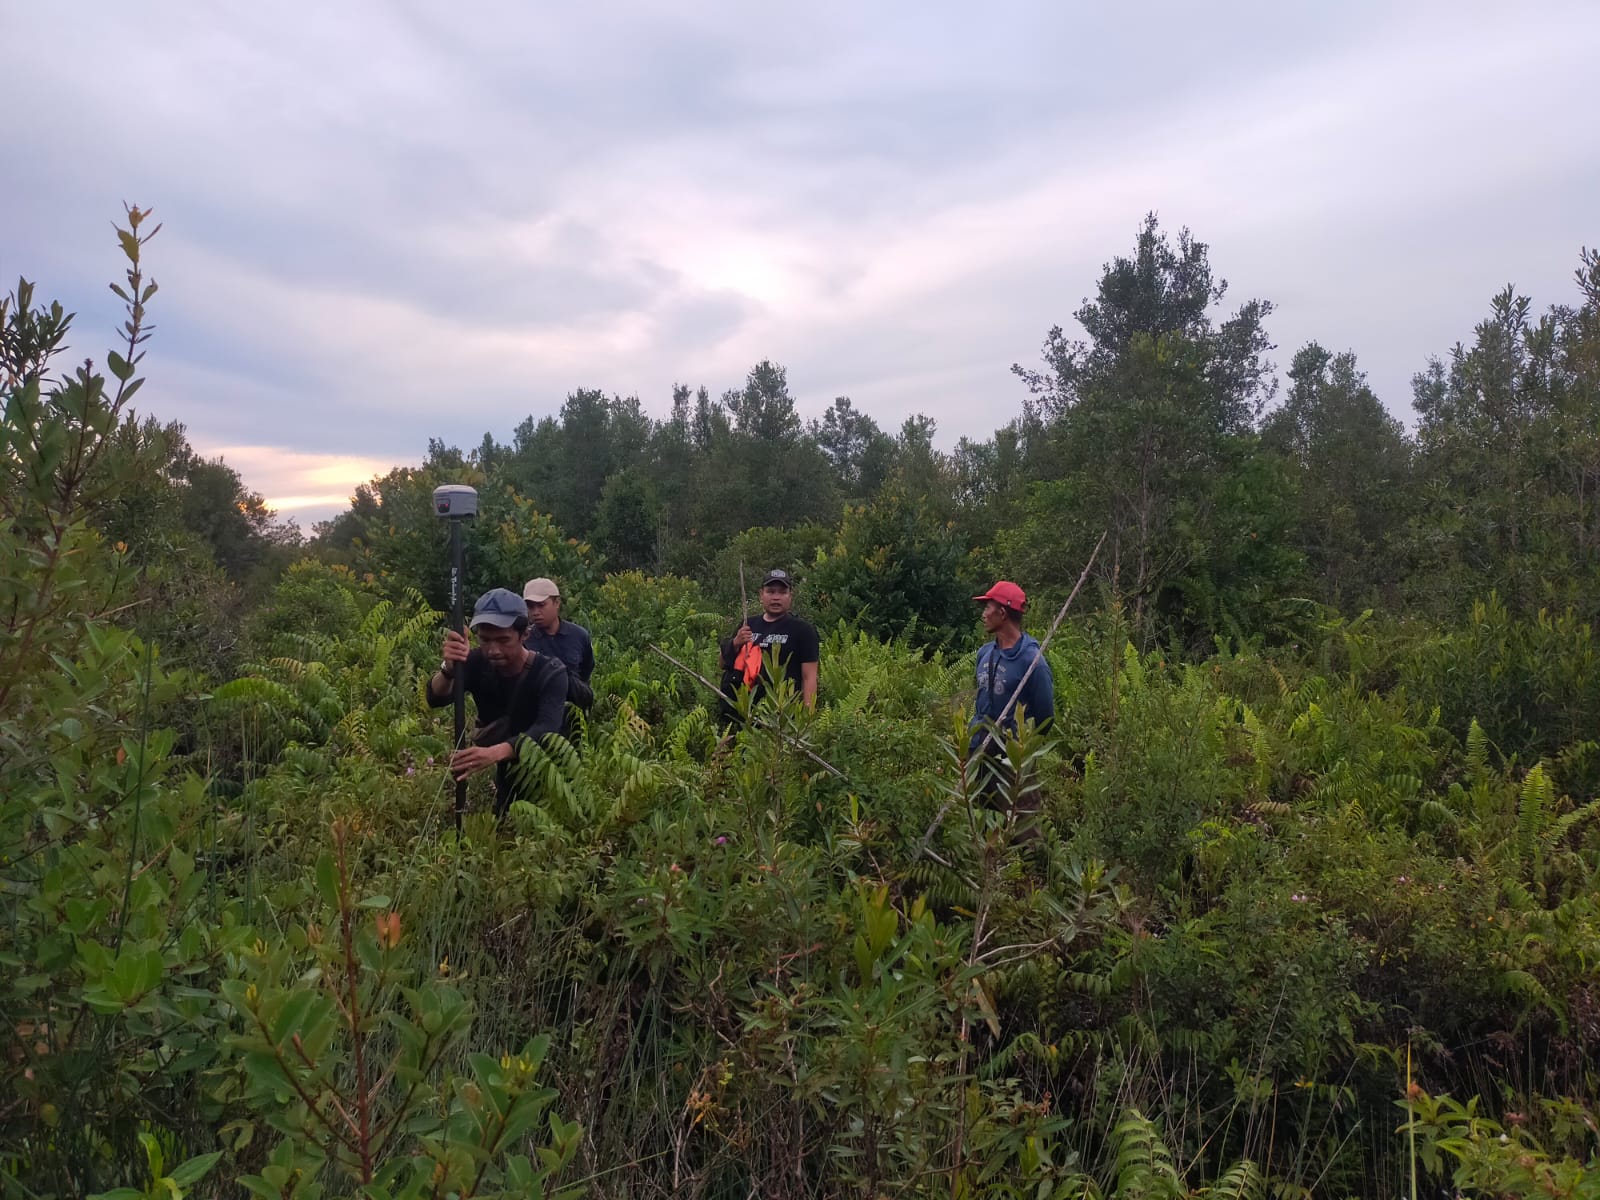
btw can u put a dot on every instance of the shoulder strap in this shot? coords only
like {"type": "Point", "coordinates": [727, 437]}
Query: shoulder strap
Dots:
{"type": "Point", "coordinates": [522, 679]}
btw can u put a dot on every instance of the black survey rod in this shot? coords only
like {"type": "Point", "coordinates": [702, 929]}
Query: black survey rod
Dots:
{"type": "Point", "coordinates": [459, 681]}
{"type": "Point", "coordinates": [456, 502]}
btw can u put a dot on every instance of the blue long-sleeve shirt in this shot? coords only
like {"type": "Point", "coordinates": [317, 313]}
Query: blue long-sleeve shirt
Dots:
{"type": "Point", "coordinates": [999, 673]}
{"type": "Point", "coordinates": [570, 643]}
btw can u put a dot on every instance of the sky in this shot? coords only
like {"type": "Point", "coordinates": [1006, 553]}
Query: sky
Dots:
{"type": "Point", "coordinates": [390, 221]}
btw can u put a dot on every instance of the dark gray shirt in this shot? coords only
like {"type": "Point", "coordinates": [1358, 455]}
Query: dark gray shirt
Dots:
{"type": "Point", "coordinates": [533, 706]}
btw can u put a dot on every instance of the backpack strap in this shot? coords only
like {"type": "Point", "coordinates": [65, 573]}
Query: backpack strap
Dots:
{"type": "Point", "coordinates": [533, 667]}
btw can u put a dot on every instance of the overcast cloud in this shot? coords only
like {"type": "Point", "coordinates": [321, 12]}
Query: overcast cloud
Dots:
{"type": "Point", "coordinates": [390, 221]}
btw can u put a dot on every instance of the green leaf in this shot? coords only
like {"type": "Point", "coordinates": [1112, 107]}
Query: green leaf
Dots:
{"type": "Point", "coordinates": [535, 1049]}
{"type": "Point", "coordinates": [524, 1116]}
{"type": "Point", "coordinates": [103, 1000]}
{"type": "Point", "coordinates": [328, 880]}
{"type": "Point", "coordinates": [152, 1153]}
{"type": "Point", "coordinates": [194, 1170]}
{"type": "Point", "coordinates": [265, 1071]}
{"type": "Point", "coordinates": [235, 992]}
{"type": "Point", "coordinates": [292, 1015]}
{"type": "Point", "coordinates": [150, 970]}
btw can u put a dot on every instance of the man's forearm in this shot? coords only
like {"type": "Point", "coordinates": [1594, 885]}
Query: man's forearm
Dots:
{"type": "Point", "coordinates": [441, 686]}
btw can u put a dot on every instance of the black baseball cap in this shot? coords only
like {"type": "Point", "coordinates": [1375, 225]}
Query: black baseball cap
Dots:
{"type": "Point", "coordinates": [779, 575]}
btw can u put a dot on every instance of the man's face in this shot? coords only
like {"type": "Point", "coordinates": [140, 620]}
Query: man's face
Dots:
{"type": "Point", "coordinates": [994, 616]}
{"type": "Point", "coordinates": [546, 614]}
{"type": "Point", "coordinates": [776, 599]}
{"type": "Point", "coordinates": [502, 647]}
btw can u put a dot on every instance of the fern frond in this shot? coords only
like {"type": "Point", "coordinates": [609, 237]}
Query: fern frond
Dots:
{"type": "Point", "coordinates": [939, 886]}
{"type": "Point", "coordinates": [352, 730]}
{"type": "Point", "coordinates": [275, 701]}
{"type": "Point", "coordinates": [298, 646]}
{"type": "Point", "coordinates": [1477, 749]}
{"type": "Point", "coordinates": [372, 624]}
{"type": "Point", "coordinates": [1144, 1166]}
{"type": "Point", "coordinates": [1435, 814]}
{"type": "Point", "coordinates": [1557, 833]}
{"type": "Point", "coordinates": [1269, 808]}
{"type": "Point", "coordinates": [1260, 748]}
{"type": "Point", "coordinates": [1132, 667]}
{"type": "Point", "coordinates": [1029, 1047]}
{"type": "Point", "coordinates": [1242, 1181]}
{"type": "Point", "coordinates": [553, 769]}
{"type": "Point", "coordinates": [1524, 986]}
{"type": "Point", "coordinates": [1532, 806]}
{"type": "Point", "coordinates": [1088, 983]}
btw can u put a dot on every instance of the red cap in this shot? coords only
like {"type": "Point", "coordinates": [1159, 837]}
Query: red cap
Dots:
{"type": "Point", "coordinates": [1007, 593]}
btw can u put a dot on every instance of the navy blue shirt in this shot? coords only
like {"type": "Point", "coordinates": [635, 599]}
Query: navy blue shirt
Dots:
{"type": "Point", "coordinates": [570, 643]}
{"type": "Point", "coordinates": [999, 673]}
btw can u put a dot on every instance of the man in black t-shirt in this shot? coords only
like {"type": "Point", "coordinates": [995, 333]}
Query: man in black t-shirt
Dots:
{"type": "Point", "coordinates": [519, 694]}
{"type": "Point", "coordinates": [794, 640]}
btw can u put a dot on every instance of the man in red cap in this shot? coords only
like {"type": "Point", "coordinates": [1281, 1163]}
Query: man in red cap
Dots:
{"type": "Point", "coordinates": [1002, 664]}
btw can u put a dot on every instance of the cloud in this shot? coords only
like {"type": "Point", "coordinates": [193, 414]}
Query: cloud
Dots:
{"type": "Point", "coordinates": [296, 483]}
{"type": "Point", "coordinates": [392, 221]}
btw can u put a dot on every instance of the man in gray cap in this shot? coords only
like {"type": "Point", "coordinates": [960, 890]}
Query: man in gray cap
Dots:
{"type": "Point", "coordinates": [518, 692]}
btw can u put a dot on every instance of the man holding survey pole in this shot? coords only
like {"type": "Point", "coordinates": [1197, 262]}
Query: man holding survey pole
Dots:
{"type": "Point", "coordinates": [1014, 683]}
{"type": "Point", "coordinates": [519, 693]}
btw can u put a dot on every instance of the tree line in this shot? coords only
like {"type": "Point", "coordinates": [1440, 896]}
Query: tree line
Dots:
{"type": "Point", "coordinates": [1228, 510]}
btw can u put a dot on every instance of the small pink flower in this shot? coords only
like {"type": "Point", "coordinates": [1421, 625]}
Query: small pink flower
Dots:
{"type": "Point", "coordinates": [411, 770]}
{"type": "Point", "coordinates": [1298, 898]}
{"type": "Point", "coordinates": [1402, 879]}
{"type": "Point", "coordinates": [720, 841]}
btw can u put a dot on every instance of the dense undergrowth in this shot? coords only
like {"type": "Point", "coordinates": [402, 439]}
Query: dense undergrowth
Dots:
{"type": "Point", "coordinates": [1312, 920]}
{"type": "Point", "coordinates": [1264, 885]}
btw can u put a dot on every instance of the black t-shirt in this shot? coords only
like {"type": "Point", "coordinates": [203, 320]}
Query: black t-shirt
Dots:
{"type": "Point", "coordinates": [796, 642]}
{"type": "Point", "coordinates": [535, 701]}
